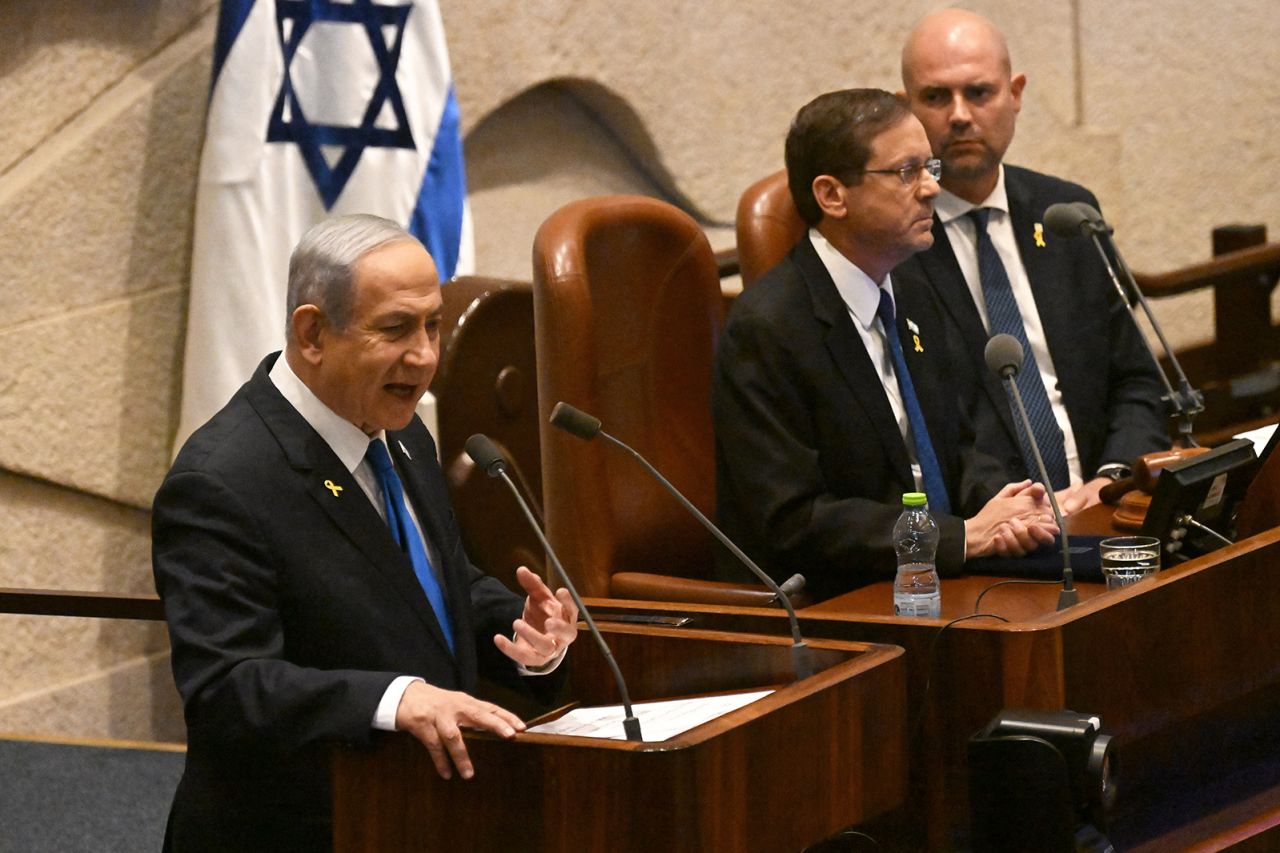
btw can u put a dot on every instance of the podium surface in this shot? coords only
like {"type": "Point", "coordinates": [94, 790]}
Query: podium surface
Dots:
{"type": "Point", "coordinates": [811, 758]}
{"type": "Point", "coordinates": [1183, 669]}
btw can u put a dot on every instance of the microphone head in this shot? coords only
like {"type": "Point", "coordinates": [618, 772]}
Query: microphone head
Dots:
{"type": "Point", "coordinates": [485, 453]}
{"type": "Point", "coordinates": [1090, 213]}
{"type": "Point", "coordinates": [575, 421]}
{"type": "Point", "coordinates": [1003, 355]}
{"type": "Point", "coordinates": [1068, 219]}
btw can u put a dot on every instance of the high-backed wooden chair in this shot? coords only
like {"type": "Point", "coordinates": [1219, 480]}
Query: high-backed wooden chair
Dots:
{"type": "Point", "coordinates": [627, 308]}
{"type": "Point", "coordinates": [487, 382]}
{"type": "Point", "coordinates": [768, 226]}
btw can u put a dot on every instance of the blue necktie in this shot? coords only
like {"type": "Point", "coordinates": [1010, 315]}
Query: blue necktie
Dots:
{"type": "Point", "coordinates": [1004, 317]}
{"type": "Point", "coordinates": [406, 534]}
{"type": "Point", "coordinates": [934, 486]}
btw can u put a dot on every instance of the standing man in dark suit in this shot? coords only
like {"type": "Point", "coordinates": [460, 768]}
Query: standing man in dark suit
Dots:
{"type": "Point", "coordinates": [313, 579]}
{"type": "Point", "coordinates": [832, 395]}
{"type": "Point", "coordinates": [1090, 386]}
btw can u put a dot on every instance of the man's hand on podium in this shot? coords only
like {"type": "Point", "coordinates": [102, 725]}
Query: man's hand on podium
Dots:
{"type": "Point", "coordinates": [435, 717]}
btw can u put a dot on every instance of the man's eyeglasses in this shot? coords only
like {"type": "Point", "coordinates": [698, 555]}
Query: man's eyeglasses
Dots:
{"type": "Point", "coordinates": [911, 174]}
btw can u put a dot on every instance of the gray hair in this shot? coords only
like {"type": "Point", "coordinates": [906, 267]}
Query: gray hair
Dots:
{"type": "Point", "coordinates": [322, 266]}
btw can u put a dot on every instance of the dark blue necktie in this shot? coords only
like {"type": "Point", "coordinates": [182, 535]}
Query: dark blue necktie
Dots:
{"type": "Point", "coordinates": [405, 533]}
{"type": "Point", "coordinates": [1004, 317]}
{"type": "Point", "coordinates": [934, 486]}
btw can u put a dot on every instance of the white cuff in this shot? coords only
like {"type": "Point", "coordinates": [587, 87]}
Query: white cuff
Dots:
{"type": "Point", "coordinates": [384, 718]}
{"type": "Point", "coordinates": [546, 668]}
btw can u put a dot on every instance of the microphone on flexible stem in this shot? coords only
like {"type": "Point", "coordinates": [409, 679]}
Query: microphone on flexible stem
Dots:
{"type": "Point", "coordinates": [578, 423]}
{"type": "Point", "coordinates": [1004, 359]}
{"type": "Point", "coordinates": [1070, 219]}
{"type": "Point", "coordinates": [483, 452]}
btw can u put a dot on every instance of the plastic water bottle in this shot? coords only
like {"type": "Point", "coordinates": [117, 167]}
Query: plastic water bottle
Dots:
{"type": "Point", "coordinates": [916, 590]}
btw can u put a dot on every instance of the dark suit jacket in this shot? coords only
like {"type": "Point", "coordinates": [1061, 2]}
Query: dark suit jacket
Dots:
{"type": "Point", "coordinates": [810, 466]}
{"type": "Point", "coordinates": [1109, 385]}
{"type": "Point", "coordinates": [290, 611]}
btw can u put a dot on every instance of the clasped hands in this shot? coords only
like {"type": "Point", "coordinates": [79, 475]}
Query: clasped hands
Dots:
{"type": "Point", "coordinates": [436, 716]}
{"type": "Point", "coordinates": [1016, 521]}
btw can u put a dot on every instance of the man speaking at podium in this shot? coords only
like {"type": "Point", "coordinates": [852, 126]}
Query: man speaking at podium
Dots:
{"type": "Point", "coordinates": [832, 392]}
{"type": "Point", "coordinates": [313, 578]}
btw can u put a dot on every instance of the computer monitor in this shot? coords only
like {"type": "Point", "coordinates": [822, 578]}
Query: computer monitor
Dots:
{"type": "Point", "coordinates": [1193, 509]}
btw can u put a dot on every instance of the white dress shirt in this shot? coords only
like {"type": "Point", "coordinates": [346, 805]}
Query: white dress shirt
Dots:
{"type": "Point", "coordinates": [350, 444]}
{"type": "Point", "coordinates": [952, 212]}
{"type": "Point", "coordinates": [861, 296]}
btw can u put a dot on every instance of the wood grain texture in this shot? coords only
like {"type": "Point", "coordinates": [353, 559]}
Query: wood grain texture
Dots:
{"type": "Point", "coordinates": [814, 757]}
{"type": "Point", "coordinates": [1183, 669]}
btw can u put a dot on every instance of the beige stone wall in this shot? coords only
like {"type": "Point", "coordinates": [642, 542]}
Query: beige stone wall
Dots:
{"type": "Point", "coordinates": [1162, 108]}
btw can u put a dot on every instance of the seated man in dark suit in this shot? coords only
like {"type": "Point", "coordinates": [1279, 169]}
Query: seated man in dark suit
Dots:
{"type": "Point", "coordinates": [1089, 383]}
{"type": "Point", "coordinates": [832, 393]}
{"type": "Point", "coordinates": [313, 578]}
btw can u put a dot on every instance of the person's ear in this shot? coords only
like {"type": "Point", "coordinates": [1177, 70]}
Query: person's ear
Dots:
{"type": "Point", "coordinates": [308, 326]}
{"type": "Point", "coordinates": [829, 193]}
{"type": "Point", "coordinates": [1015, 89]}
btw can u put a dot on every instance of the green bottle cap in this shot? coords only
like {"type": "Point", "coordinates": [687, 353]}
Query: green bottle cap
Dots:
{"type": "Point", "coordinates": [914, 499]}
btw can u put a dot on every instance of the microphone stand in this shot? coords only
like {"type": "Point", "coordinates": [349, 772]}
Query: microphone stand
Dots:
{"type": "Point", "coordinates": [482, 451]}
{"type": "Point", "coordinates": [1186, 401]}
{"type": "Point", "coordinates": [1069, 594]}
{"type": "Point", "coordinates": [800, 658]}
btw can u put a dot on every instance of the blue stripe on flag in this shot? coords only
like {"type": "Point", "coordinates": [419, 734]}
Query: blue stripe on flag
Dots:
{"type": "Point", "coordinates": [231, 18]}
{"type": "Point", "coordinates": [437, 216]}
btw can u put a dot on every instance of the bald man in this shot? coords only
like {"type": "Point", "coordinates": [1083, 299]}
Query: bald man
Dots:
{"type": "Point", "coordinates": [995, 269]}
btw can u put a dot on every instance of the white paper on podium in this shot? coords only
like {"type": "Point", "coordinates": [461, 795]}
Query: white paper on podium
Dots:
{"type": "Point", "coordinates": [658, 720]}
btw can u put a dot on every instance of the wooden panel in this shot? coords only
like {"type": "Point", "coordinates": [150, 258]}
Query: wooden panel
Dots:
{"type": "Point", "coordinates": [815, 756]}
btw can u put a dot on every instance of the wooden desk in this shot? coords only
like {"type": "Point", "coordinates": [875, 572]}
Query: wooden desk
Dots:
{"type": "Point", "coordinates": [1183, 668]}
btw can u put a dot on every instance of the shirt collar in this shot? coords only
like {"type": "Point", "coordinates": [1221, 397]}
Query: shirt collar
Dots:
{"type": "Point", "coordinates": [950, 207]}
{"type": "Point", "coordinates": [346, 439]}
{"type": "Point", "coordinates": [860, 294]}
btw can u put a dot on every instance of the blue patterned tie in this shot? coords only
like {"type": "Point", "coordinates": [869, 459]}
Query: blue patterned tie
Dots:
{"type": "Point", "coordinates": [406, 534]}
{"type": "Point", "coordinates": [1004, 317]}
{"type": "Point", "coordinates": [934, 486]}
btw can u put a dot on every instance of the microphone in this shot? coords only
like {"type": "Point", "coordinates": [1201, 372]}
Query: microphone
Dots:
{"type": "Point", "coordinates": [483, 452]}
{"type": "Point", "coordinates": [1004, 358]}
{"type": "Point", "coordinates": [1071, 219]}
{"type": "Point", "coordinates": [1067, 219]}
{"type": "Point", "coordinates": [578, 423]}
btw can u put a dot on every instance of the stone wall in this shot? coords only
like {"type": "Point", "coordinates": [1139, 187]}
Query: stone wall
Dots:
{"type": "Point", "coordinates": [1163, 109]}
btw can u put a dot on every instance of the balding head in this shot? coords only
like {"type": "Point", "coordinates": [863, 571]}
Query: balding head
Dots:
{"type": "Point", "coordinates": [953, 33]}
{"type": "Point", "coordinates": [960, 84]}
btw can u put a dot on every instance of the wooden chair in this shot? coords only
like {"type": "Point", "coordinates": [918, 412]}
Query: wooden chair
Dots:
{"type": "Point", "coordinates": [627, 308]}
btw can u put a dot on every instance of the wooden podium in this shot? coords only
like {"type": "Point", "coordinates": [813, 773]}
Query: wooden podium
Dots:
{"type": "Point", "coordinates": [1182, 668]}
{"type": "Point", "coordinates": [810, 759]}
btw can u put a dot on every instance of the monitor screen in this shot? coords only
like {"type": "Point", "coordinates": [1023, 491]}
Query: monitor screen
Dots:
{"type": "Point", "coordinates": [1197, 498]}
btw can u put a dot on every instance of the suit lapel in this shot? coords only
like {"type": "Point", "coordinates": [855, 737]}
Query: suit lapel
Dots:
{"type": "Point", "coordinates": [430, 512]}
{"type": "Point", "coordinates": [1043, 265]}
{"type": "Point", "coordinates": [851, 358]}
{"type": "Point", "coordinates": [339, 496]}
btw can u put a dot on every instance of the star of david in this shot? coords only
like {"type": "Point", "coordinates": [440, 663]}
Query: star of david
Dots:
{"type": "Point", "coordinates": [353, 140]}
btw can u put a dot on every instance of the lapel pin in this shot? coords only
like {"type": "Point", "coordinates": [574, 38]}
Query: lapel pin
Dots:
{"type": "Point", "coordinates": [911, 324]}
{"type": "Point", "coordinates": [331, 486]}
{"type": "Point", "coordinates": [916, 340]}
{"type": "Point", "coordinates": [404, 450]}
{"type": "Point", "coordinates": [1039, 235]}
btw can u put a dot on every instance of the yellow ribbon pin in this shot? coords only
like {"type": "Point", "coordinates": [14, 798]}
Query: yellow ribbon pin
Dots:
{"type": "Point", "coordinates": [1039, 235]}
{"type": "Point", "coordinates": [916, 340]}
{"type": "Point", "coordinates": [329, 484]}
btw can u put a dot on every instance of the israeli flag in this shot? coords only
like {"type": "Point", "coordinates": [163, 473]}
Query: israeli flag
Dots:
{"type": "Point", "coordinates": [318, 108]}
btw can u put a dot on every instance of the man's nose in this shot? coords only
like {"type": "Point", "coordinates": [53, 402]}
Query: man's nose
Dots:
{"type": "Point", "coordinates": [960, 111]}
{"type": "Point", "coordinates": [422, 350]}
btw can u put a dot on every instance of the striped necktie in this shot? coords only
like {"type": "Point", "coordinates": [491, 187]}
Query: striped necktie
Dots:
{"type": "Point", "coordinates": [1004, 317]}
